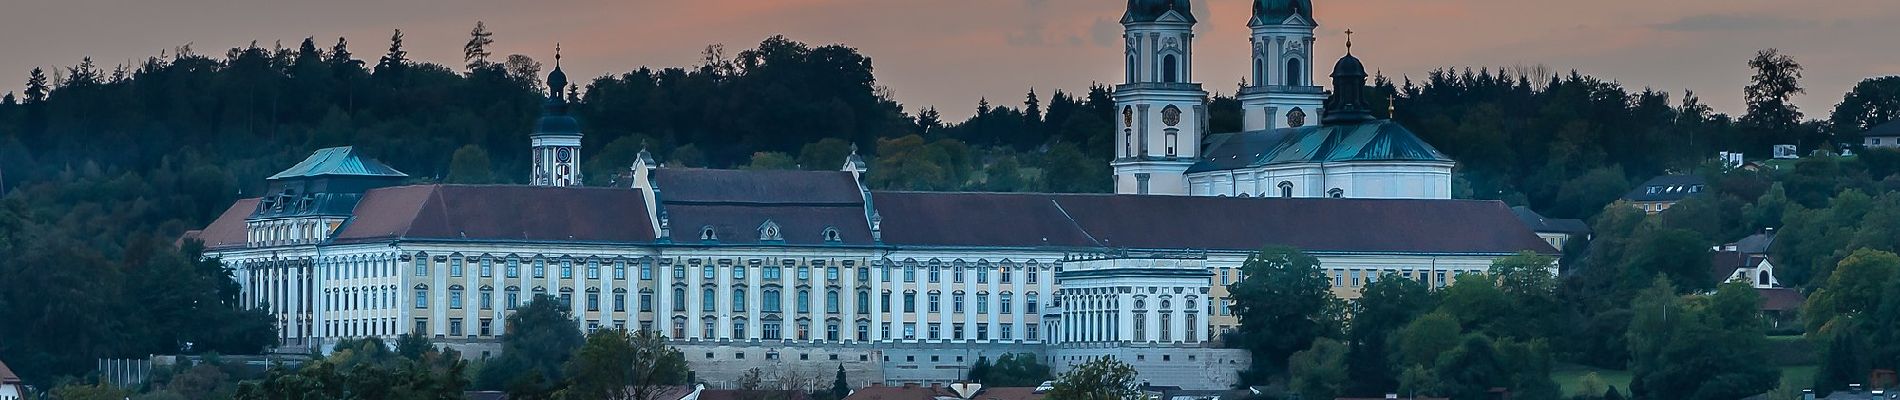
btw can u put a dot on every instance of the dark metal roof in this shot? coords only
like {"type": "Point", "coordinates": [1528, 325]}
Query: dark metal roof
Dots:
{"type": "Point", "coordinates": [1889, 128]}
{"type": "Point", "coordinates": [725, 186]}
{"type": "Point", "coordinates": [740, 224]}
{"type": "Point", "coordinates": [1539, 223]}
{"type": "Point", "coordinates": [1275, 11]}
{"type": "Point", "coordinates": [1379, 140]}
{"type": "Point", "coordinates": [497, 212]}
{"type": "Point", "coordinates": [338, 161]}
{"type": "Point", "coordinates": [1208, 223]}
{"type": "Point", "coordinates": [1152, 10]}
{"type": "Point", "coordinates": [1667, 188]}
{"type": "Point", "coordinates": [1756, 243]}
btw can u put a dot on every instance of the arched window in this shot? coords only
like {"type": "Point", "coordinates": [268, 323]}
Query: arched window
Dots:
{"type": "Point", "coordinates": [1259, 72]}
{"type": "Point", "coordinates": [1286, 189]}
{"type": "Point", "coordinates": [1169, 74]}
{"type": "Point", "coordinates": [738, 299]}
{"type": "Point", "coordinates": [804, 301]}
{"type": "Point", "coordinates": [679, 299]}
{"type": "Point", "coordinates": [864, 302]}
{"type": "Point", "coordinates": [1172, 135]}
{"type": "Point", "coordinates": [831, 235]}
{"type": "Point", "coordinates": [1336, 193]}
{"type": "Point", "coordinates": [706, 233]}
{"type": "Point", "coordinates": [706, 300]}
{"type": "Point", "coordinates": [1293, 72]}
{"type": "Point", "coordinates": [771, 298]}
{"type": "Point", "coordinates": [1762, 279]}
{"type": "Point", "coordinates": [831, 302]}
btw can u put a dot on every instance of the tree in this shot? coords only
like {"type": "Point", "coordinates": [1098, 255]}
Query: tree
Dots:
{"type": "Point", "coordinates": [840, 388]}
{"type": "Point", "coordinates": [36, 86]}
{"type": "Point", "coordinates": [1284, 303]}
{"type": "Point", "coordinates": [1678, 254]}
{"type": "Point", "coordinates": [1099, 379]}
{"type": "Point", "coordinates": [1470, 370]}
{"type": "Point", "coordinates": [1772, 115]}
{"type": "Point", "coordinates": [470, 165]}
{"type": "Point", "coordinates": [1855, 287]}
{"type": "Point", "coordinates": [1010, 370]}
{"type": "Point", "coordinates": [601, 368]}
{"type": "Point", "coordinates": [1384, 306]}
{"type": "Point", "coordinates": [826, 154]}
{"type": "Point", "coordinates": [772, 160]}
{"type": "Point", "coordinates": [396, 60]}
{"type": "Point", "coordinates": [1319, 372]}
{"type": "Point", "coordinates": [1676, 341]}
{"type": "Point", "coordinates": [1427, 337]}
{"type": "Point", "coordinates": [541, 337]}
{"type": "Point", "coordinates": [475, 52]}
{"type": "Point", "coordinates": [1871, 102]}
{"type": "Point", "coordinates": [656, 365]}
{"type": "Point", "coordinates": [980, 370]}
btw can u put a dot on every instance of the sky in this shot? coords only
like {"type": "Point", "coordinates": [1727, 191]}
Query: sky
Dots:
{"type": "Point", "coordinates": [950, 53]}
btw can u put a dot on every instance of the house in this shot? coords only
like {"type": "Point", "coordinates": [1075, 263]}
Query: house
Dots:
{"type": "Point", "coordinates": [1662, 192]}
{"type": "Point", "coordinates": [11, 388]}
{"type": "Point", "coordinates": [1883, 135]}
{"type": "Point", "coordinates": [1746, 260]}
{"type": "Point", "coordinates": [954, 391]}
{"type": "Point", "coordinates": [1556, 231]}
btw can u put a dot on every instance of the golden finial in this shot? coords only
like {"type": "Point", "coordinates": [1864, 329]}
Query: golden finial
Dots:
{"type": "Point", "coordinates": [1348, 41]}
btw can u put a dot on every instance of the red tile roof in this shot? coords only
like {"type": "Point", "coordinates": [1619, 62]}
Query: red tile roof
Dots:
{"type": "Point", "coordinates": [228, 231]}
{"type": "Point", "coordinates": [483, 212]}
{"type": "Point", "coordinates": [695, 185]}
{"type": "Point", "coordinates": [1781, 299]}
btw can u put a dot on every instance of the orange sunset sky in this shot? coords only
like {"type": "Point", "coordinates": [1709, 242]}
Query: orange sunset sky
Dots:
{"type": "Point", "coordinates": [949, 53]}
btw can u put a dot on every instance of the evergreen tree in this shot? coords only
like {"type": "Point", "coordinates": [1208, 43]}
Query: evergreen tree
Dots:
{"type": "Point", "coordinates": [8, 100]}
{"type": "Point", "coordinates": [395, 61]}
{"type": "Point", "coordinates": [840, 388]}
{"type": "Point", "coordinates": [475, 52]}
{"type": "Point", "coordinates": [36, 87]}
{"type": "Point", "coordinates": [1032, 111]}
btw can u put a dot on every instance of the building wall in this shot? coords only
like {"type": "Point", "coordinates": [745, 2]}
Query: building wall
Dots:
{"type": "Point", "coordinates": [1190, 367]}
{"type": "Point", "coordinates": [10, 392]}
{"type": "Point", "coordinates": [1881, 141]}
{"type": "Point", "coordinates": [1384, 180]}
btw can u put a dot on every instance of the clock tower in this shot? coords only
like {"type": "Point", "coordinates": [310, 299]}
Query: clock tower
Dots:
{"type": "Point", "coordinates": [1160, 111]}
{"type": "Point", "coordinates": [556, 141]}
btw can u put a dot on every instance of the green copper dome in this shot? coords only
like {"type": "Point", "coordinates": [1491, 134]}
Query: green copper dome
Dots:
{"type": "Point", "coordinates": [1152, 10]}
{"type": "Point", "coordinates": [1274, 11]}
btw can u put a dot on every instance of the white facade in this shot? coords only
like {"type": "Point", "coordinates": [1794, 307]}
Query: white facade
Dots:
{"type": "Point", "coordinates": [1163, 113]}
{"type": "Point", "coordinates": [1281, 92]}
{"type": "Point", "coordinates": [1356, 179]}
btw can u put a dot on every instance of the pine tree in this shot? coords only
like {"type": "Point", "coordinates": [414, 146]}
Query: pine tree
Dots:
{"type": "Point", "coordinates": [396, 60]}
{"type": "Point", "coordinates": [8, 100]}
{"type": "Point", "coordinates": [929, 120]}
{"type": "Point", "coordinates": [36, 88]}
{"type": "Point", "coordinates": [340, 57]}
{"type": "Point", "coordinates": [475, 53]}
{"type": "Point", "coordinates": [1032, 109]}
{"type": "Point", "coordinates": [840, 387]}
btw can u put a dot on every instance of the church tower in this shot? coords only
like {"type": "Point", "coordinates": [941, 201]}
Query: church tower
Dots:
{"type": "Point", "coordinates": [556, 142]}
{"type": "Point", "coordinates": [1280, 91]}
{"type": "Point", "coordinates": [1161, 112]}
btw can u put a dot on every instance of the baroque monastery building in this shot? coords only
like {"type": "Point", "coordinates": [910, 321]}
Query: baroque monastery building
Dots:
{"type": "Point", "coordinates": [801, 271]}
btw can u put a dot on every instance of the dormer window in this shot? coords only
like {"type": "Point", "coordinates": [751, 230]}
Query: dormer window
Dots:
{"type": "Point", "coordinates": [706, 234]}
{"type": "Point", "coordinates": [1286, 189]}
{"type": "Point", "coordinates": [831, 235]}
{"type": "Point", "coordinates": [1336, 193]}
{"type": "Point", "coordinates": [769, 231]}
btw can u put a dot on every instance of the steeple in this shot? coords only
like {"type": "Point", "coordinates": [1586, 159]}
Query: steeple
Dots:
{"type": "Point", "coordinates": [1348, 105]}
{"type": "Point", "coordinates": [556, 141]}
{"type": "Point", "coordinates": [1159, 106]}
{"type": "Point", "coordinates": [1280, 90]}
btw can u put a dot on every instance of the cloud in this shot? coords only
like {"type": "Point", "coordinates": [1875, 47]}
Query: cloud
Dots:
{"type": "Point", "coordinates": [1731, 22]}
{"type": "Point", "coordinates": [1105, 33]}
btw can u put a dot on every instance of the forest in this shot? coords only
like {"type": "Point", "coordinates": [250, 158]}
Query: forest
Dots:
{"type": "Point", "coordinates": [102, 168]}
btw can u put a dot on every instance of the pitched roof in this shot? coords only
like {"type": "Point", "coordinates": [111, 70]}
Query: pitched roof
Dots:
{"type": "Point", "coordinates": [7, 375]}
{"type": "Point", "coordinates": [697, 185]}
{"type": "Point", "coordinates": [1667, 188]}
{"type": "Point", "coordinates": [1889, 128]}
{"type": "Point", "coordinates": [737, 394]}
{"type": "Point", "coordinates": [1756, 243]}
{"type": "Point", "coordinates": [1214, 223]}
{"type": "Point", "coordinates": [1378, 140]}
{"type": "Point", "coordinates": [500, 212]}
{"type": "Point", "coordinates": [921, 392]}
{"type": "Point", "coordinates": [228, 230]}
{"type": "Point", "coordinates": [1781, 299]}
{"type": "Point", "coordinates": [338, 161]}
{"type": "Point", "coordinates": [1722, 265]}
{"type": "Point", "coordinates": [740, 224]}
{"type": "Point", "coordinates": [1540, 223]}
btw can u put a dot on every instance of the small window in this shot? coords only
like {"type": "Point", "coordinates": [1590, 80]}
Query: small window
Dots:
{"type": "Point", "coordinates": [706, 233]}
{"type": "Point", "coordinates": [831, 235]}
{"type": "Point", "coordinates": [1335, 193]}
{"type": "Point", "coordinates": [1286, 189]}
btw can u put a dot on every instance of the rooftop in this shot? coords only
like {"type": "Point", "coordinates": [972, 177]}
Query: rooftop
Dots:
{"type": "Point", "coordinates": [1667, 188]}
{"type": "Point", "coordinates": [345, 161]}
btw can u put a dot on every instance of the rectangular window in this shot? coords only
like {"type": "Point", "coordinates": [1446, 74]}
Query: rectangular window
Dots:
{"type": "Point", "coordinates": [864, 333]}
{"type": "Point", "coordinates": [620, 270]}
{"type": "Point", "coordinates": [1031, 329]}
{"type": "Point", "coordinates": [488, 300]}
{"type": "Point", "coordinates": [593, 269]}
{"type": "Point", "coordinates": [514, 299]}
{"type": "Point", "coordinates": [982, 304]}
{"type": "Point", "coordinates": [910, 273]}
{"type": "Point", "coordinates": [1030, 304]}
{"type": "Point", "coordinates": [646, 302]}
{"type": "Point", "coordinates": [956, 303]}
{"type": "Point", "coordinates": [884, 274]}
{"type": "Point", "coordinates": [488, 268]}
{"type": "Point", "coordinates": [1030, 276]}
{"type": "Point", "coordinates": [1005, 332]}
{"type": "Point", "coordinates": [831, 273]}
{"type": "Point", "coordinates": [864, 274]}
{"type": "Point", "coordinates": [455, 266]}
{"type": "Point", "coordinates": [1353, 275]}
{"type": "Point", "coordinates": [771, 274]}
{"type": "Point", "coordinates": [1004, 302]}
{"type": "Point", "coordinates": [455, 299]}
{"type": "Point", "coordinates": [488, 327]}
{"type": "Point", "coordinates": [646, 270]}
{"type": "Point", "coordinates": [738, 300]}
{"type": "Point", "coordinates": [422, 266]}
{"type": "Point", "coordinates": [910, 302]}
{"type": "Point", "coordinates": [593, 302]}
{"type": "Point", "coordinates": [422, 326]}
{"type": "Point", "coordinates": [956, 331]}
{"type": "Point", "coordinates": [567, 269]}
{"type": "Point", "coordinates": [910, 331]}
{"type": "Point", "coordinates": [514, 268]}
{"type": "Point", "coordinates": [770, 331]}
{"type": "Point", "coordinates": [620, 302]}
{"type": "Point", "coordinates": [831, 332]}
{"type": "Point", "coordinates": [567, 299]}
{"type": "Point", "coordinates": [738, 273]}
{"type": "Point", "coordinates": [935, 331]}
{"type": "Point", "coordinates": [982, 275]}
{"type": "Point", "coordinates": [738, 331]}
{"type": "Point", "coordinates": [707, 272]}
{"type": "Point", "coordinates": [422, 298]}
{"type": "Point", "coordinates": [679, 273]}
{"type": "Point", "coordinates": [884, 332]}
{"type": "Point", "coordinates": [706, 300]}
{"type": "Point", "coordinates": [934, 300]}
{"type": "Point", "coordinates": [983, 331]}
{"type": "Point", "coordinates": [887, 304]}
{"type": "Point", "coordinates": [935, 274]}
{"type": "Point", "coordinates": [455, 327]}
{"type": "Point", "coordinates": [540, 268]}
{"type": "Point", "coordinates": [804, 273]}
{"type": "Point", "coordinates": [1003, 275]}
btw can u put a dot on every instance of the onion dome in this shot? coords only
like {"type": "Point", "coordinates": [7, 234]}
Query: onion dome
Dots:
{"type": "Point", "coordinates": [1274, 11]}
{"type": "Point", "coordinates": [554, 117]}
{"type": "Point", "coordinates": [1348, 104]}
{"type": "Point", "coordinates": [1152, 10]}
